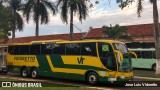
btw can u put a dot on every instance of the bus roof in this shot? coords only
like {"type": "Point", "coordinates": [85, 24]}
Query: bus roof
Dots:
{"type": "Point", "coordinates": [141, 49]}
{"type": "Point", "coordinates": [66, 41]}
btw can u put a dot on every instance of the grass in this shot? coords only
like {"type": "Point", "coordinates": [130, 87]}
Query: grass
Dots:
{"type": "Point", "coordinates": [145, 73]}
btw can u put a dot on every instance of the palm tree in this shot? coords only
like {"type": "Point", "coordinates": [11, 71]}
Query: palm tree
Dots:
{"type": "Point", "coordinates": [39, 11]}
{"type": "Point", "coordinates": [116, 32]}
{"type": "Point", "coordinates": [15, 5]}
{"type": "Point", "coordinates": [71, 7]}
{"type": "Point", "coordinates": [155, 21]}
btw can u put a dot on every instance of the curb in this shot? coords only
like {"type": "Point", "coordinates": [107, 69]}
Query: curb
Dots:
{"type": "Point", "coordinates": [148, 78]}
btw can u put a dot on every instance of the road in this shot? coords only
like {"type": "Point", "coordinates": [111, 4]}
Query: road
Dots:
{"type": "Point", "coordinates": [101, 86]}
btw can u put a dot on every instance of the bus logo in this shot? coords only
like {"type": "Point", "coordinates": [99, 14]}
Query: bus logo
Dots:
{"type": "Point", "coordinates": [80, 60]}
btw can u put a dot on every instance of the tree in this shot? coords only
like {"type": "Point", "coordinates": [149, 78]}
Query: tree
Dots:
{"type": "Point", "coordinates": [116, 32]}
{"type": "Point", "coordinates": [6, 24]}
{"type": "Point", "coordinates": [38, 10]}
{"type": "Point", "coordinates": [155, 21]}
{"type": "Point", "coordinates": [69, 7]}
{"type": "Point", "coordinates": [15, 6]}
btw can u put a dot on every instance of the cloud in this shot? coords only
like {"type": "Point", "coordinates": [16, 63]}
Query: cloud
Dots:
{"type": "Point", "coordinates": [98, 16]}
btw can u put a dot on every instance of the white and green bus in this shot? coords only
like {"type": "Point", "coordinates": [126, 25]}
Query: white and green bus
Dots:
{"type": "Point", "coordinates": [146, 58]}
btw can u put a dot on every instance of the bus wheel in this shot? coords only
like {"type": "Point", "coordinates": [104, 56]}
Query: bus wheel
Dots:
{"type": "Point", "coordinates": [92, 78]}
{"type": "Point", "coordinates": [154, 67]}
{"type": "Point", "coordinates": [24, 72]}
{"type": "Point", "coordinates": [34, 73]}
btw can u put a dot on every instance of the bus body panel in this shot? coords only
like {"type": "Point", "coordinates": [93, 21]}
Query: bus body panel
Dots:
{"type": "Point", "coordinates": [146, 58]}
{"type": "Point", "coordinates": [66, 66]}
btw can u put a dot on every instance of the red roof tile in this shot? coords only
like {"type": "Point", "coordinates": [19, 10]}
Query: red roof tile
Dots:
{"type": "Point", "coordinates": [138, 32]}
{"type": "Point", "coordinates": [77, 36]}
{"type": "Point", "coordinates": [133, 30]}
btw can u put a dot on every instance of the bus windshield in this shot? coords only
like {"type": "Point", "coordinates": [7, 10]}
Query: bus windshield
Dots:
{"type": "Point", "coordinates": [126, 64]}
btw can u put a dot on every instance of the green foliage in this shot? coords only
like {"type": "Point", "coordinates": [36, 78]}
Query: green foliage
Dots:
{"type": "Point", "coordinates": [70, 7]}
{"type": "Point", "coordinates": [116, 32]}
{"type": "Point", "coordinates": [6, 24]}
{"type": "Point", "coordinates": [127, 3]}
{"type": "Point", "coordinates": [39, 11]}
{"type": "Point", "coordinates": [38, 8]}
{"type": "Point", "coordinates": [15, 5]}
{"type": "Point", "coordinates": [77, 6]}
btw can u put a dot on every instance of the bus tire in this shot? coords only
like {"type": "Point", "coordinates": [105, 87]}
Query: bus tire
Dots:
{"type": "Point", "coordinates": [24, 72]}
{"type": "Point", "coordinates": [154, 67]}
{"type": "Point", "coordinates": [34, 73]}
{"type": "Point", "coordinates": [92, 78]}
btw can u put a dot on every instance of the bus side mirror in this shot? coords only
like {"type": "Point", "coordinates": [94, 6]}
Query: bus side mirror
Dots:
{"type": "Point", "coordinates": [133, 53]}
{"type": "Point", "coordinates": [119, 54]}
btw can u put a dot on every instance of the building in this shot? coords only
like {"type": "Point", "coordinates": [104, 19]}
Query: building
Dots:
{"type": "Point", "coordinates": [142, 35]}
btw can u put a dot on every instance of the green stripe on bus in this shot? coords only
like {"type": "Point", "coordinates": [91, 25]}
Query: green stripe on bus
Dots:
{"type": "Point", "coordinates": [58, 63]}
{"type": "Point", "coordinates": [44, 68]}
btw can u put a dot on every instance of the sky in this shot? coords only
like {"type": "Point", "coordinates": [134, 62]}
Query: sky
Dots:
{"type": "Point", "coordinates": [101, 14]}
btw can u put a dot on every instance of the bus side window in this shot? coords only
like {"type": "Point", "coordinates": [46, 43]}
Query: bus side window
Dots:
{"type": "Point", "coordinates": [24, 50]}
{"type": "Point", "coordinates": [11, 49]}
{"type": "Point", "coordinates": [147, 54]}
{"type": "Point", "coordinates": [138, 53]}
{"type": "Point", "coordinates": [34, 49]}
{"type": "Point", "coordinates": [88, 49]}
{"type": "Point", "coordinates": [16, 50]}
{"type": "Point", "coordinates": [154, 54]}
{"type": "Point", "coordinates": [59, 49]}
{"type": "Point", "coordinates": [45, 49]}
{"type": "Point", "coordinates": [72, 49]}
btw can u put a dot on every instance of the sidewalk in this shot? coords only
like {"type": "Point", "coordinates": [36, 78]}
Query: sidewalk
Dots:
{"type": "Point", "coordinates": [147, 78]}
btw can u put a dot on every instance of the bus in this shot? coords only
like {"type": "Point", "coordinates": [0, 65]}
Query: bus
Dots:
{"type": "Point", "coordinates": [3, 52]}
{"type": "Point", "coordinates": [146, 58]}
{"type": "Point", "coordinates": [85, 60]}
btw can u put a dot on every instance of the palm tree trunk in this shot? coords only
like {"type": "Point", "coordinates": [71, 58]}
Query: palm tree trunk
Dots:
{"type": "Point", "coordinates": [156, 35]}
{"type": "Point", "coordinates": [71, 26]}
{"type": "Point", "coordinates": [37, 30]}
{"type": "Point", "coordinates": [14, 29]}
{"type": "Point", "coordinates": [37, 23]}
{"type": "Point", "coordinates": [13, 35]}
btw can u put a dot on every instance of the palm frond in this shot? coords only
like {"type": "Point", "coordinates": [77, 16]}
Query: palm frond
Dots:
{"type": "Point", "coordinates": [27, 9]}
{"type": "Point", "coordinates": [64, 12]}
{"type": "Point", "coordinates": [43, 13]}
{"type": "Point", "coordinates": [51, 6]}
{"type": "Point", "coordinates": [139, 7]}
{"type": "Point", "coordinates": [20, 23]}
{"type": "Point", "coordinates": [115, 32]}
